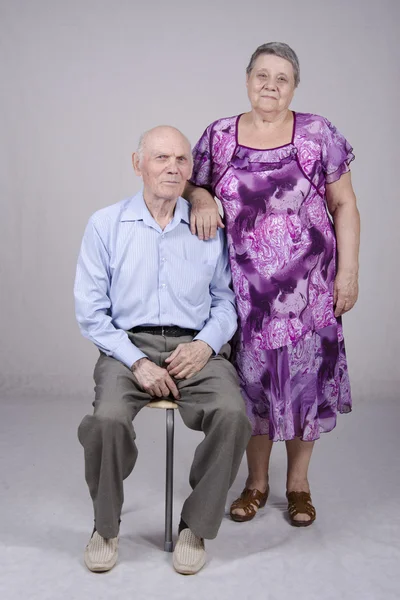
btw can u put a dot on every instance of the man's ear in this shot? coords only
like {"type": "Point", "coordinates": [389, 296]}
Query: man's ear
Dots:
{"type": "Point", "coordinates": [191, 170]}
{"type": "Point", "coordinates": [135, 163]}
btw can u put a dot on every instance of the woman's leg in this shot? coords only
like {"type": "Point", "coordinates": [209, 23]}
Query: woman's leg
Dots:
{"type": "Point", "coordinates": [258, 453]}
{"type": "Point", "coordinates": [299, 456]}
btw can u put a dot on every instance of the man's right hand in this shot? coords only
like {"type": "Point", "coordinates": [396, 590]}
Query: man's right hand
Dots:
{"type": "Point", "coordinates": [154, 380]}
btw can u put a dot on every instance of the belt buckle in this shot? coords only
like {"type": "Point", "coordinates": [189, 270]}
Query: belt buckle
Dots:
{"type": "Point", "coordinates": [162, 329]}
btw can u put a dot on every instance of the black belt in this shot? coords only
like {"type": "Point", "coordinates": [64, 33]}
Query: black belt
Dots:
{"type": "Point", "coordinates": [172, 331]}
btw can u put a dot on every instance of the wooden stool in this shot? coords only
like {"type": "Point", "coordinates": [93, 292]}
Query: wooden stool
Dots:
{"type": "Point", "coordinates": [169, 407]}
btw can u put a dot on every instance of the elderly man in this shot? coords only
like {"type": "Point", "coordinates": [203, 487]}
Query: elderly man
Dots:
{"type": "Point", "coordinates": [157, 303]}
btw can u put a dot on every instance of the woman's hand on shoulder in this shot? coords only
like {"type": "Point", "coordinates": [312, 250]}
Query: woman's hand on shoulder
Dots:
{"type": "Point", "coordinates": [205, 219]}
{"type": "Point", "coordinates": [204, 215]}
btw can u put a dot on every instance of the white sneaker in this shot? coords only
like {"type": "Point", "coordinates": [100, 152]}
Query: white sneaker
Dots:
{"type": "Point", "coordinates": [189, 554]}
{"type": "Point", "coordinates": [101, 554]}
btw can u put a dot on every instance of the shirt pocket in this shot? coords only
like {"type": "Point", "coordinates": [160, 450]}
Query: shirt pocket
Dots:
{"type": "Point", "coordinates": [193, 278]}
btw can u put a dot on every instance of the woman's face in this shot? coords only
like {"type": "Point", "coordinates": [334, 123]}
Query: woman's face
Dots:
{"type": "Point", "coordinates": [270, 85]}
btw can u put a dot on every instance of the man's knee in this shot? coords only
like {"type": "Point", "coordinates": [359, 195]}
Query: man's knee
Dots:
{"type": "Point", "coordinates": [111, 413]}
{"type": "Point", "coordinates": [108, 421]}
{"type": "Point", "coordinates": [231, 417]}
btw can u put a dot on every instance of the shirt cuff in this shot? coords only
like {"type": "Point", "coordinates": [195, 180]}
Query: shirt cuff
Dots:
{"type": "Point", "coordinates": [212, 335]}
{"type": "Point", "coordinates": [128, 353]}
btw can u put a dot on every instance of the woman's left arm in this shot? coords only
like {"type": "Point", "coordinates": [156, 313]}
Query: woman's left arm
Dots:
{"type": "Point", "coordinates": [342, 205]}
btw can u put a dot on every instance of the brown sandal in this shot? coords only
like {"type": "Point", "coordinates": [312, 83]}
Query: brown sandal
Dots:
{"type": "Point", "coordinates": [300, 503]}
{"type": "Point", "coordinates": [250, 501]}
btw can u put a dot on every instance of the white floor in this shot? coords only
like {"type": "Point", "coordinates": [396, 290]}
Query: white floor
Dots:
{"type": "Point", "coordinates": [351, 552]}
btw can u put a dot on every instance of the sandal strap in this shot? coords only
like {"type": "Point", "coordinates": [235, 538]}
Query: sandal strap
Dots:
{"type": "Point", "coordinates": [300, 503]}
{"type": "Point", "coordinates": [249, 499]}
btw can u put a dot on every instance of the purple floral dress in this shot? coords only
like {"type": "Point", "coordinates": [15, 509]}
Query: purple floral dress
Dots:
{"type": "Point", "coordinates": [289, 351]}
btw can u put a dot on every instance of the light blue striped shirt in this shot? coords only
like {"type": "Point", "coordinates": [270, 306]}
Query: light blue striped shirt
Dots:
{"type": "Point", "coordinates": [131, 272]}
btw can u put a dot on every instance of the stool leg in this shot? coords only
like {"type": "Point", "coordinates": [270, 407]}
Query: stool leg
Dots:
{"type": "Point", "coordinates": [168, 546]}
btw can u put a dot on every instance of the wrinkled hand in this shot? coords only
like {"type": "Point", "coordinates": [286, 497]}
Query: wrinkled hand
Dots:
{"type": "Point", "coordinates": [154, 380]}
{"type": "Point", "coordinates": [345, 292]}
{"type": "Point", "coordinates": [205, 218]}
{"type": "Point", "coordinates": [188, 359]}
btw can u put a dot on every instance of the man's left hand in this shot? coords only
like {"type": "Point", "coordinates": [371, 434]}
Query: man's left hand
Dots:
{"type": "Point", "coordinates": [188, 359]}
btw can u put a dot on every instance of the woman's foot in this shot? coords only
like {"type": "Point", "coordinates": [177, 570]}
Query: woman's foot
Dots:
{"type": "Point", "coordinates": [301, 510]}
{"type": "Point", "coordinates": [253, 497]}
{"type": "Point", "coordinates": [299, 455]}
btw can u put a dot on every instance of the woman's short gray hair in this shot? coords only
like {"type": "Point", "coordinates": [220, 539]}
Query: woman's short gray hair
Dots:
{"type": "Point", "coordinates": [277, 49]}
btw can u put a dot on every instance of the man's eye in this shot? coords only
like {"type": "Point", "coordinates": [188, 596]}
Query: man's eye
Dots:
{"type": "Point", "coordinates": [182, 158]}
{"type": "Point", "coordinates": [162, 156]}
{"type": "Point", "coordinates": [262, 75]}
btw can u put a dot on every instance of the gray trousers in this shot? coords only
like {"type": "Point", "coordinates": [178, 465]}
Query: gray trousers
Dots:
{"type": "Point", "coordinates": [210, 402]}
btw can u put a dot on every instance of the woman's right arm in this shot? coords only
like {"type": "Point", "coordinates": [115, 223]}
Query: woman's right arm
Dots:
{"type": "Point", "coordinates": [204, 215]}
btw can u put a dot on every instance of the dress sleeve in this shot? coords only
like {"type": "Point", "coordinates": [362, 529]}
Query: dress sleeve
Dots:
{"type": "Point", "coordinates": [337, 153]}
{"type": "Point", "coordinates": [202, 161]}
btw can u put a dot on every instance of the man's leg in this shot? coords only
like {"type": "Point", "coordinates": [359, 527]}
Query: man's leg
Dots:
{"type": "Point", "coordinates": [211, 402]}
{"type": "Point", "coordinates": [108, 438]}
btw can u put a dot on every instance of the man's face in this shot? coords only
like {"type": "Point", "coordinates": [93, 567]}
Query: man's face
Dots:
{"type": "Point", "coordinates": [165, 165]}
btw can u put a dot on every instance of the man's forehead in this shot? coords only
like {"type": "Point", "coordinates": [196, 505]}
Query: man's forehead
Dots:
{"type": "Point", "coordinates": [172, 149]}
{"type": "Point", "coordinates": [168, 140]}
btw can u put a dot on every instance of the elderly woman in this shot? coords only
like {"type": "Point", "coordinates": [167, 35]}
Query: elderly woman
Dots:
{"type": "Point", "coordinates": [279, 174]}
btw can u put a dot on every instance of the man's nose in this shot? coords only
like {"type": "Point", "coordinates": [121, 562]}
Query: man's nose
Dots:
{"type": "Point", "coordinates": [172, 165]}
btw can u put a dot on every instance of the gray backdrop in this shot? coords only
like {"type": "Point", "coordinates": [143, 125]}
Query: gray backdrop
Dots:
{"type": "Point", "coordinates": [80, 80]}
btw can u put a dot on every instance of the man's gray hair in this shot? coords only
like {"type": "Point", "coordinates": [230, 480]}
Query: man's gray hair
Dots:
{"type": "Point", "coordinates": [140, 146]}
{"type": "Point", "coordinates": [277, 49]}
{"type": "Point", "coordinates": [142, 140]}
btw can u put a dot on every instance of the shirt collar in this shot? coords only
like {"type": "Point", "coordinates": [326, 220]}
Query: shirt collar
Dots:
{"type": "Point", "coordinates": [136, 210]}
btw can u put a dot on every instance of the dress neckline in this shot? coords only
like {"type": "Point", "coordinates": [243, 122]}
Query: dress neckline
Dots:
{"type": "Point", "coordinates": [265, 149]}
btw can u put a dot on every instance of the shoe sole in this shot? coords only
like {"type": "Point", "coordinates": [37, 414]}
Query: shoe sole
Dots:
{"type": "Point", "coordinates": [302, 523]}
{"type": "Point", "coordinates": [240, 519]}
{"type": "Point", "coordinates": [186, 570]}
{"type": "Point", "coordinates": [96, 568]}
